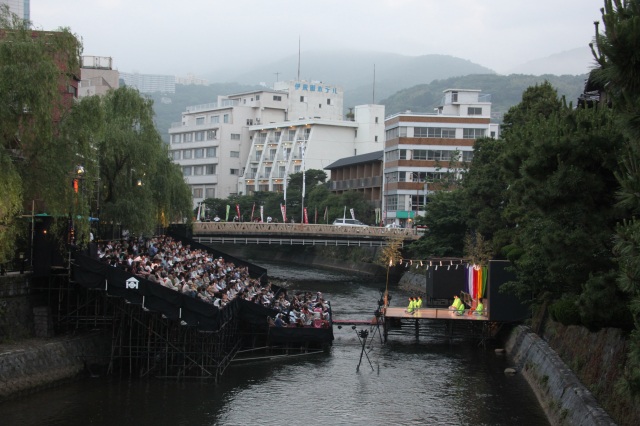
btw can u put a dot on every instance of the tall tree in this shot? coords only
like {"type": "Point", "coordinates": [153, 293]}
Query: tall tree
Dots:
{"type": "Point", "coordinates": [37, 162]}
{"type": "Point", "coordinates": [617, 75]}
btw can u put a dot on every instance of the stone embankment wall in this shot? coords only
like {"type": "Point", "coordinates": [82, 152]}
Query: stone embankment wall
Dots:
{"type": "Point", "coordinates": [561, 394]}
{"type": "Point", "coordinates": [35, 364]}
{"type": "Point", "coordinates": [16, 316]}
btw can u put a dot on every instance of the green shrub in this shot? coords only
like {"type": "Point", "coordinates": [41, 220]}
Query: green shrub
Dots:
{"type": "Point", "coordinates": [565, 311]}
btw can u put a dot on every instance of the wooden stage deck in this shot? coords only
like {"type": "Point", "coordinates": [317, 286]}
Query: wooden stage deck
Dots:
{"type": "Point", "coordinates": [448, 324]}
{"type": "Point", "coordinates": [433, 313]}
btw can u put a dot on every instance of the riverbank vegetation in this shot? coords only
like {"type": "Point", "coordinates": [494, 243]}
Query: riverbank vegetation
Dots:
{"type": "Point", "coordinates": [557, 195]}
{"type": "Point", "coordinates": [71, 159]}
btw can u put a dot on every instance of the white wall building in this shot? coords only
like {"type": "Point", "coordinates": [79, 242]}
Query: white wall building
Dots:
{"type": "Point", "coordinates": [97, 76]}
{"type": "Point", "coordinates": [419, 147]}
{"type": "Point", "coordinates": [250, 141]}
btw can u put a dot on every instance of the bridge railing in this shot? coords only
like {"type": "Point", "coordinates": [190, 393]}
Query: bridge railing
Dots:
{"type": "Point", "coordinates": [253, 228]}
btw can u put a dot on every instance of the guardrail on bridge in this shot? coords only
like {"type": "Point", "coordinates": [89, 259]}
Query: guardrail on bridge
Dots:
{"type": "Point", "coordinates": [293, 229]}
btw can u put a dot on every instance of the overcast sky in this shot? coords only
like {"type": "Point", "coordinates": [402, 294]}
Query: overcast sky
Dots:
{"type": "Point", "coordinates": [200, 36]}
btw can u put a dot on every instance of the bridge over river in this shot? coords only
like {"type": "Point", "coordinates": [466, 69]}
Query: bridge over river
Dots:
{"type": "Point", "coordinates": [299, 234]}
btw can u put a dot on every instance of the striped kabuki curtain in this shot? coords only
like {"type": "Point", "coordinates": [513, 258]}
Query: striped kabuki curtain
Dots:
{"type": "Point", "coordinates": [476, 280]}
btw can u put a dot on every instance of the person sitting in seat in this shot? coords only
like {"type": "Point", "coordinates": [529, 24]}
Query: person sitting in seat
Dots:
{"type": "Point", "coordinates": [479, 308]}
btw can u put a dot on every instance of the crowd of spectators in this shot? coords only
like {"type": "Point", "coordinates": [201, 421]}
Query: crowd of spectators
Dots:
{"type": "Point", "coordinates": [196, 273]}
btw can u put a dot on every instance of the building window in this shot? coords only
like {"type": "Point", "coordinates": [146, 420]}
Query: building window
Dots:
{"type": "Point", "coordinates": [376, 120]}
{"type": "Point", "coordinates": [199, 121]}
{"type": "Point", "coordinates": [174, 155]}
{"type": "Point", "coordinates": [198, 153]}
{"type": "Point", "coordinates": [187, 137]}
{"type": "Point", "coordinates": [467, 156]}
{"type": "Point", "coordinates": [186, 154]}
{"type": "Point", "coordinates": [210, 169]}
{"type": "Point", "coordinates": [212, 152]}
{"type": "Point", "coordinates": [277, 98]}
{"type": "Point", "coordinates": [376, 139]}
{"type": "Point", "coordinates": [199, 136]}
{"type": "Point", "coordinates": [210, 192]}
{"type": "Point", "coordinates": [198, 170]}
{"type": "Point", "coordinates": [449, 133]}
{"type": "Point", "coordinates": [419, 154]}
{"type": "Point", "coordinates": [454, 96]}
{"type": "Point", "coordinates": [197, 192]}
{"type": "Point", "coordinates": [472, 133]}
{"type": "Point", "coordinates": [392, 133]}
{"type": "Point", "coordinates": [215, 119]}
{"type": "Point", "coordinates": [186, 171]}
{"type": "Point", "coordinates": [403, 154]}
{"type": "Point", "coordinates": [234, 171]}
{"type": "Point", "coordinates": [303, 99]}
{"type": "Point", "coordinates": [225, 118]}
{"type": "Point", "coordinates": [474, 111]}
{"type": "Point", "coordinates": [211, 134]}
{"type": "Point", "coordinates": [296, 168]}
{"type": "Point", "coordinates": [328, 101]}
{"type": "Point", "coordinates": [235, 136]}
{"type": "Point", "coordinates": [257, 97]}
{"type": "Point", "coordinates": [176, 138]}
{"type": "Point", "coordinates": [235, 154]}
{"type": "Point", "coordinates": [249, 122]}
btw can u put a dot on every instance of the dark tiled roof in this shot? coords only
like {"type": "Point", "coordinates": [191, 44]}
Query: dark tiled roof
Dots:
{"type": "Point", "coordinates": [356, 159]}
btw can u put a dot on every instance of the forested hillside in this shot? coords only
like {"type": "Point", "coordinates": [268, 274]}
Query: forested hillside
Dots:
{"type": "Point", "coordinates": [506, 91]}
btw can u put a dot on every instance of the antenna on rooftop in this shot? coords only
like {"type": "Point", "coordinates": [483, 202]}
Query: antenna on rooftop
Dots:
{"type": "Point", "coordinates": [298, 58]}
{"type": "Point", "coordinates": [277, 74]}
{"type": "Point", "coordinates": [373, 101]}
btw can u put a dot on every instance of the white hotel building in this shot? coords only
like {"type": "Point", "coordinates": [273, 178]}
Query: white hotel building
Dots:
{"type": "Point", "coordinates": [250, 141]}
{"type": "Point", "coordinates": [419, 147]}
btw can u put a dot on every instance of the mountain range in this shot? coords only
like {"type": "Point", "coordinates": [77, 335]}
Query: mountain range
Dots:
{"type": "Point", "coordinates": [401, 82]}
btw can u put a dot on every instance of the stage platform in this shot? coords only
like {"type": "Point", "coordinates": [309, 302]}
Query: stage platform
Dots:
{"type": "Point", "coordinates": [433, 313]}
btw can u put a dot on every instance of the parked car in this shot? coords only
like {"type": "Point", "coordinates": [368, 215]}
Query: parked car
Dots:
{"type": "Point", "coordinates": [393, 226]}
{"type": "Point", "coordinates": [348, 222]}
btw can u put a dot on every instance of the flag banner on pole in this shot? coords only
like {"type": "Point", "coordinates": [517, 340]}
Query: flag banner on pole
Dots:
{"type": "Point", "coordinates": [198, 215]}
{"type": "Point", "coordinates": [306, 217]}
{"type": "Point", "coordinates": [261, 213]}
{"type": "Point", "coordinates": [238, 211]}
{"type": "Point", "coordinates": [253, 209]}
{"type": "Point", "coordinates": [353, 215]}
{"type": "Point", "coordinates": [316, 218]}
{"type": "Point", "coordinates": [226, 218]}
{"type": "Point", "coordinates": [283, 210]}
{"type": "Point", "coordinates": [326, 214]}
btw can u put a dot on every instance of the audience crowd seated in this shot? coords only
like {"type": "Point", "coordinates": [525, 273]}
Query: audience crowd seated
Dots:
{"type": "Point", "coordinates": [196, 273]}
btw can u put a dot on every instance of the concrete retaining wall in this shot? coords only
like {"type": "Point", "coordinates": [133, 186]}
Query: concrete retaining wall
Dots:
{"type": "Point", "coordinates": [35, 364]}
{"type": "Point", "coordinates": [563, 397]}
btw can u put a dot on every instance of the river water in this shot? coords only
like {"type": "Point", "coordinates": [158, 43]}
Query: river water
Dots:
{"type": "Point", "coordinates": [407, 382]}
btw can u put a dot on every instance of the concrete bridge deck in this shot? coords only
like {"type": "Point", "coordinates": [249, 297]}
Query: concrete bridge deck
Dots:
{"type": "Point", "coordinates": [298, 234]}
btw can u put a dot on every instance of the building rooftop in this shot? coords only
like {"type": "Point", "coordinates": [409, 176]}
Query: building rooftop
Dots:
{"type": "Point", "coordinates": [356, 159]}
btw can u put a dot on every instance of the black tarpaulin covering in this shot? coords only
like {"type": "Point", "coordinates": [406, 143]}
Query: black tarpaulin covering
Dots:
{"type": "Point", "coordinates": [91, 273]}
{"type": "Point", "coordinates": [255, 313]}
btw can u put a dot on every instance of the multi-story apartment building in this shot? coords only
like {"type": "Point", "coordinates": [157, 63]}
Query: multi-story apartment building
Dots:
{"type": "Point", "coordinates": [150, 83]}
{"type": "Point", "coordinates": [421, 147]}
{"type": "Point", "coordinates": [250, 141]}
{"type": "Point", "coordinates": [97, 76]}
{"type": "Point", "coordinates": [22, 8]}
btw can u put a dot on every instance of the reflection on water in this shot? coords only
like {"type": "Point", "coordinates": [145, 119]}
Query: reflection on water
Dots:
{"type": "Point", "coordinates": [411, 383]}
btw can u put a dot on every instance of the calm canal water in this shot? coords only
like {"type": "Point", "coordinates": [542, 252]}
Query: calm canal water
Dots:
{"type": "Point", "coordinates": [412, 383]}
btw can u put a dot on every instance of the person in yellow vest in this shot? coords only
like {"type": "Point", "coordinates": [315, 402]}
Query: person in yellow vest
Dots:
{"type": "Point", "coordinates": [412, 305]}
{"type": "Point", "coordinates": [460, 308]}
{"type": "Point", "coordinates": [456, 303]}
{"type": "Point", "coordinates": [418, 303]}
{"type": "Point", "coordinates": [479, 307]}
